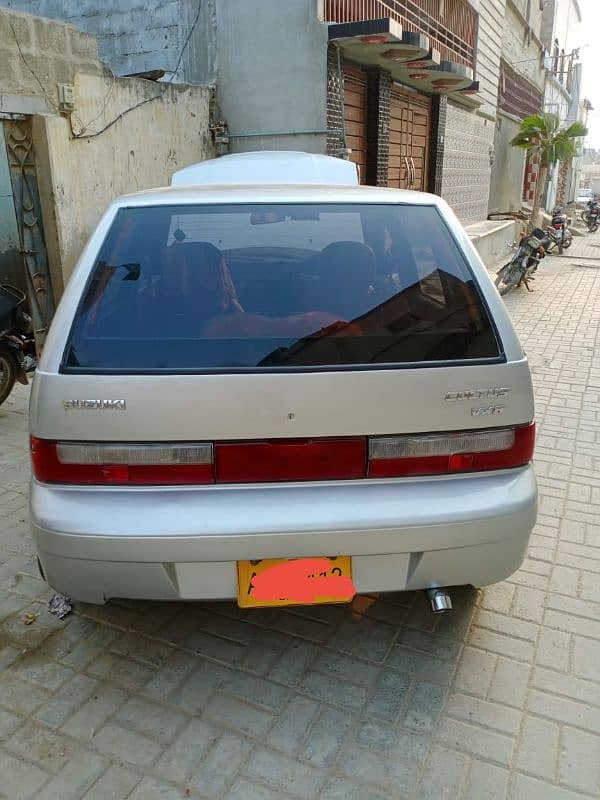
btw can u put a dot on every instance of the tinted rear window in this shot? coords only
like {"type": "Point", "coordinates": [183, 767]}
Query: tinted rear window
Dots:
{"type": "Point", "coordinates": [232, 287]}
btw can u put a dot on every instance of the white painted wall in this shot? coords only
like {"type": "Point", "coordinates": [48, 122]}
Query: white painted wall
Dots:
{"type": "Point", "coordinates": [489, 46]}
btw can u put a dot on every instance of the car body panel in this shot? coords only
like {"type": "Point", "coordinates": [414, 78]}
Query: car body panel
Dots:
{"type": "Point", "coordinates": [183, 543]}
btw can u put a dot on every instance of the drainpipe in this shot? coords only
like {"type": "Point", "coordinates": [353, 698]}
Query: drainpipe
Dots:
{"type": "Point", "coordinates": [317, 132]}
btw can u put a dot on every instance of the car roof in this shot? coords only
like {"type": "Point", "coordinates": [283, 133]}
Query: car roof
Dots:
{"type": "Point", "coordinates": [268, 166]}
{"type": "Point", "coordinates": [276, 193]}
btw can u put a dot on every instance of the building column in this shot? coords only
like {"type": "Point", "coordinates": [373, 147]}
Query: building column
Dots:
{"type": "Point", "coordinates": [437, 142]}
{"type": "Point", "coordinates": [335, 100]}
{"type": "Point", "coordinates": [379, 85]}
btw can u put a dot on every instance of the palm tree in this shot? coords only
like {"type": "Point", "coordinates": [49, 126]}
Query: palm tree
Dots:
{"type": "Point", "coordinates": [541, 135]}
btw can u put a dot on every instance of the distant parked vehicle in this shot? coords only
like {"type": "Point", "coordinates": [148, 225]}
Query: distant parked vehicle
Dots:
{"type": "Point", "coordinates": [593, 215]}
{"type": "Point", "coordinates": [584, 195]}
{"type": "Point", "coordinates": [559, 230]}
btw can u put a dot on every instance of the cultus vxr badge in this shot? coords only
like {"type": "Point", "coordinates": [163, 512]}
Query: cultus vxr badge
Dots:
{"type": "Point", "coordinates": [469, 395]}
{"type": "Point", "coordinates": [94, 405]}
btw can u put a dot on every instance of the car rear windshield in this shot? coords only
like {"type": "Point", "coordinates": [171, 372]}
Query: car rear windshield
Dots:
{"type": "Point", "coordinates": [238, 287]}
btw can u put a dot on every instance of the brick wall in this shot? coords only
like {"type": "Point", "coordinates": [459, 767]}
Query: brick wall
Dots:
{"type": "Point", "coordinates": [51, 50]}
{"type": "Point", "coordinates": [139, 35]}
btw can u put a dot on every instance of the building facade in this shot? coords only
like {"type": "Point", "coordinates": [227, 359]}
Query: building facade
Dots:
{"type": "Point", "coordinates": [421, 94]}
{"type": "Point", "coordinates": [521, 85]}
{"type": "Point", "coordinates": [392, 81]}
{"type": "Point", "coordinates": [562, 26]}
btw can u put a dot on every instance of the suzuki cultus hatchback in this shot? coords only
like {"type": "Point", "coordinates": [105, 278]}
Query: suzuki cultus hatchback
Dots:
{"type": "Point", "coordinates": [280, 394]}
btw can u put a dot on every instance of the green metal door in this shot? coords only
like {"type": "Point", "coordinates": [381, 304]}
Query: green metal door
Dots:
{"type": "Point", "coordinates": [11, 261]}
{"type": "Point", "coordinates": [33, 260]}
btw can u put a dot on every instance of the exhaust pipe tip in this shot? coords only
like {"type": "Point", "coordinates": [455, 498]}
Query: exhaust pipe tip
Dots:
{"type": "Point", "coordinates": [439, 600]}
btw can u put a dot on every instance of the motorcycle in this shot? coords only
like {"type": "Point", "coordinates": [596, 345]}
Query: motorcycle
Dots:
{"type": "Point", "coordinates": [559, 230]}
{"type": "Point", "coordinates": [529, 252]}
{"type": "Point", "coordinates": [17, 345]}
{"type": "Point", "coordinates": [590, 212]}
{"type": "Point", "coordinates": [593, 216]}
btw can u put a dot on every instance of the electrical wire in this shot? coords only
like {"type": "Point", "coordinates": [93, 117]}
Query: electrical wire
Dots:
{"type": "Point", "coordinates": [187, 41]}
{"type": "Point", "coordinates": [83, 135]}
{"type": "Point", "coordinates": [116, 119]}
{"type": "Point", "coordinates": [85, 126]}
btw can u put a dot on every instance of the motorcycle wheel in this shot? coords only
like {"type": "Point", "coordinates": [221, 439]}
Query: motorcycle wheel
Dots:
{"type": "Point", "coordinates": [8, 374]}
{"type": "Point", "coordinates": [567, 243]}
{"type": "Point", "coordinates": [585, 217]}
{"type": "Point", "coordinates": [507, 278]}
{"type": "Point", "coordinates": [594, 228]}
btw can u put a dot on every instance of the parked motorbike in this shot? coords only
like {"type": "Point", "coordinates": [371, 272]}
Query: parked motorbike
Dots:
{"type": "Point", "coordinates": [17, 346]}
{"type": "Point", "coordinates": [593, 216]}
{"type": "Point", "coordinates": [559, 230]}
{"type": "Point", "coordinates": [590, 215]}
{"type": "Point", "coordinates": [529, 252]}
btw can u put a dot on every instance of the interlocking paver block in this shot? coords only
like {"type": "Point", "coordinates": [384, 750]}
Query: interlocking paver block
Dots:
{"type": "Point", "coordinates": [188, 750]}
{"type": "Point", "coordinates": [19, 780]}
{"type": "Point", "coordinates": [538, 747]}
{"type": "Point", "coordinates": [284, 773]}
{"type": "Point", "coordinates": [444, 775]}
{"type": "Point", "coordinates": [217, 770]}
{"type": "Point", "coordinates": [487, 782]}
{"type": "Point", "coordinates": [580, 761]}
{"type": "Point", "coordinates": [117, 783]}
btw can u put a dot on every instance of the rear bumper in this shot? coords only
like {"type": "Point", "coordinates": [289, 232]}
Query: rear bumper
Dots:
{"type": "Point", "coordinates": [183, 543]}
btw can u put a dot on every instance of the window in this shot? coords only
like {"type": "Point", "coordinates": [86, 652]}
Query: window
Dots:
{"type": "Point", "coordinates": [555, 58]}
{"type": "Point", "coordinates": [238, 287]}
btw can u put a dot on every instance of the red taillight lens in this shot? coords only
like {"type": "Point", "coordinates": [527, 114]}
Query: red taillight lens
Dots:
{"type": "Point", "coordinates": [106, 464]}
{"type": "Point", "coordinates": [301, 460]}
{"type": "Point", "coordinates": [280, 460]}
{"type": "Point", "coordinates": [449, 453]}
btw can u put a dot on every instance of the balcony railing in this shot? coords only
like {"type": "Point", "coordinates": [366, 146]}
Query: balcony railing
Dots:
{"type": "Point", "coordinates": [450, 24]}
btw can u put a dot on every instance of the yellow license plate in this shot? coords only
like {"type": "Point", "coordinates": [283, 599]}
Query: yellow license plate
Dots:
{"type": "Point", "coordinates": [295, 581]}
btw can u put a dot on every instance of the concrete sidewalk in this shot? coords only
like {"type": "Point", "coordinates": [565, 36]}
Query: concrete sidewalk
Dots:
{"type": "Point", "coordinates": [499, 700]}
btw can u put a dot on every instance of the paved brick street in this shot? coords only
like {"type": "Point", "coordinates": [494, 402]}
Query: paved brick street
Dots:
{"type": "Point", "coordinates": [500, 699]}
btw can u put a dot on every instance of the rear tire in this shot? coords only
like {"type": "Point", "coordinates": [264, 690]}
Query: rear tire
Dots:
{"type": "Point", "coordinates": [567, 243]}
{"type": "Point", "coordinates": [8, 374]}
{"type": "Point", "coordinates": [507, 278]}
{"type": "Point", "coordinates": [585, 217]}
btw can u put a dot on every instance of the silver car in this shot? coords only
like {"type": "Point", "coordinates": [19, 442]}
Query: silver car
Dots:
{"type": "Point", "coordinates": [280, 394]}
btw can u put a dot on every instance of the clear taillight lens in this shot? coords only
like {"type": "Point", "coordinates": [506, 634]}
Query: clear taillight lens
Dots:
{"type": "Point", "coordinates": [443, 444]}
{"type": "Point", "coordinates": [134, 454]}
{"type": "Point", "coordinates": [121, 464]}
{"type": "Point", "coordinates": [443, 454]}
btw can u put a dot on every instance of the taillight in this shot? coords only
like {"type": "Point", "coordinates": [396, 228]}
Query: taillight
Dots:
{"type": "Point", "coordinates": [448, 453]}
{"type": "Point", "coordinates": [129, 464]}
{"type": "Point", "coordinates": [284, 460]}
